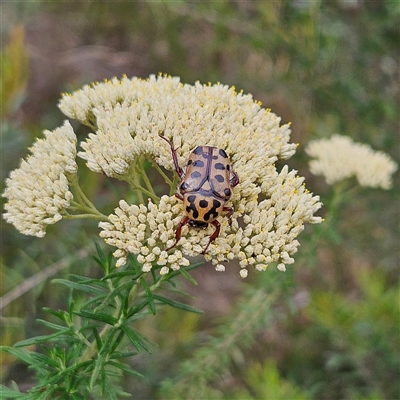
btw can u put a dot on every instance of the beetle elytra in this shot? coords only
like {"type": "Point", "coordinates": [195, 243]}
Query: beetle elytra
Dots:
{"type": "Point", "coordinates": [205, 187]}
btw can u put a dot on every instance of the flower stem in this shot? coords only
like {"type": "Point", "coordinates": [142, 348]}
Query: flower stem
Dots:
{"type": "Point", "coordinates": [174, 185]}
{"type": "Point", "coordinates": [99, 217]}
{"type": "Point", "coordinates": [142, 172]}
{"type": "Point", "coordinates": [92, 349]}
{"type": "Point", "coordinates": [140, 190]}
{"type": "Point", "coordinates": [82, 203]}
{"type": "Point", "coordinates": [162, 173]}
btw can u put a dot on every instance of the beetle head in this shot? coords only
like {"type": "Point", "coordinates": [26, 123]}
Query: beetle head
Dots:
{"type": "Point", "coordinates": [197, 224]}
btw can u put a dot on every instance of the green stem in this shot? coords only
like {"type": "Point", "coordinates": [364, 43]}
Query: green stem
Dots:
{"type": "Point", "coordinates": [154, 286]}
{"type": "Point", "coordinates": [135, 185]}
{"type": "Point", "coordinates": [84, 216]}
{"type": "Point", "coordinates": [340, 194]}
{"type": "Point", "coordinates": [78, 192]}
{"type": "Point", "coordinates": [146, 180]}
{"type": "Point", "coordinates": [174, 185]}
{"type": "Point", "coordinates": [162, 173]}
{"type": "Point", "coordinates": [91, 126]}
{"type": "Point", "coordinates": [92, 349]}
{"type": "Point", "coordinates": [87, 212]}
{"type": "Point", "coordinates": [82, 203]}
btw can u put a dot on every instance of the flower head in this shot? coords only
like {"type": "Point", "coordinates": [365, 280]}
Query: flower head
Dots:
{"type": "Point", "coordinates": [338, 158]}
{"type": "Point", "coordinates": [37, 191]}
{"type": "Point", "coordinates": [271, 206]}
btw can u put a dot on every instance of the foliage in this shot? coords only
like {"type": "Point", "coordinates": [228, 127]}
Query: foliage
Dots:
{"type": "Point", "coordinates": [86, 352]}
{"type": "Point", "coordinates": [355, 341]}
{"type": "Point", "coordinates": [266, 383]}
{"type": "Point", "coordinates": [213, 360]}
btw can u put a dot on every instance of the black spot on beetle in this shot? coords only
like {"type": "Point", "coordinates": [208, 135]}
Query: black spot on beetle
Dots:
{"type": "Point", "coordinates": [227, 192]}
{"type": "Point", "coordinates": [222, 153]}
{"type": "Point", "coordinates": [215, 157]}
{"type": "Point", "coordinates": [212, 213]}
{"type": "Point", "coordinates": [192, 207]}
{"type": "Point", "coordinates": [203, 203]}
{"type": "Point", "coordinates": [219, 166]}
{"type": "Point", "coordinates": [195, 174]}
{"type": "Point", "coordinates": [184, 186]}
{"type": "Point", "coordinates": [198, 163]}
{"type": "Point", "coordinates": [189, 162]}
{"type": "Point", "coordinates": [198, 150]}
{"type": "Point", "coordinates": [219, 178]}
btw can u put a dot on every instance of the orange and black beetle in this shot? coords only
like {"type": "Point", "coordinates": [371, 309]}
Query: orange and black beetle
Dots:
{"type": "Point", "coordinates": [205, 187]}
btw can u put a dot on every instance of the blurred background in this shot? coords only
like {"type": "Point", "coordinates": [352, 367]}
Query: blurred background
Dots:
{"type": "Point", "coordinates": [325, 66]}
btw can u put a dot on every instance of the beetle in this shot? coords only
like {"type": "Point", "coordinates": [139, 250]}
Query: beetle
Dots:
{"type": "Point", "coordinates": [205, 187]}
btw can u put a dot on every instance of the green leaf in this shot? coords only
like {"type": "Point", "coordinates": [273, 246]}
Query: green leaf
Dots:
{"type": "Point", "coordinates": [108, 319]}
{"type": "Point", "coordinates": [128, 354]}
{"type": "Point", "coordinates": [125, 368]}
{"type": "Point", "coordinates": [117, 341]}
{"type": "Point", "coordinates": [65, 375]}
{"type": "Point", "coordinates": [135, 264]}
{"type": "Point", "coordinates": [60, 314]}
{"type": "Point", "coordinates": [137, 308]}
{"type": "Point", "coordinates": [121, 274]}
{"type": "Point", "coordinates": [22, 354]}
{"type": "Point", "coordinates": [71, 304]}
{"type": "Point", "coordinates": [6, 393]}
{"type": "Point", "coordinates": [51, 325]}
{"type": "Point", "coordinates": [102, 356]}
{"type": "Point", "coordinates": [149, 295]}
{"type": "Point", "coordinates": [110, 260]}
{"type": "Point", "coordinates": [102, 260]}
{"type": "Point", "coordinates": [43, 338]}
{"type": "Point", "coordinates": [45, 360]}
{"type": "Point", "coordinates": [136, 339]}
{"type": "Point", "coordinates": [80, 286]}
{"type": "Point", "coordinates": [118, 291]}
{"type": "Point", "coordinates": [186, 269]}
{"type": "Point", "coordinates": [177, 304]}
{"type": "Point", "coordinates": [97, 338]}
{"type": "Point", "coordinates": [189, 277]}
{"type": "Point", "coordinates": [155, 277]}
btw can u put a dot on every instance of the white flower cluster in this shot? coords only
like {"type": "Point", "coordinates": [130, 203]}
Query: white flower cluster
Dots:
{"type": "Point", "coordinates": [37, 191]}
{"type": "Point", "coordinates": [338, 158]}
{"type": "Point", "coordinates": [271, 207]}
{"type": "Point", "coordinates": [129, 114]}
{"type": "Point", "coordinates": [144, 231]}
{"type": "Point", "coordinates": [269, 235]}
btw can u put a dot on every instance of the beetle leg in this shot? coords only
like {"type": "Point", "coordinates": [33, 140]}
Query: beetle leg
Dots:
{"type": "Point", "coordinates": [178, 169]}
{"type": "Point", "coordinates": [234, 179]}
{"type": "Point", "coordinates": [179, 196]}
{"type": "Point", "coordinates": [229, 211]}
{"type": "Point", "coordinates": [214, 235]}
{"type": "Point", "coordinates": [178, 231]}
